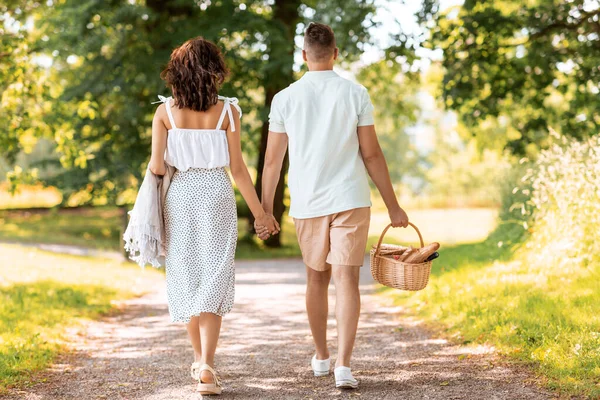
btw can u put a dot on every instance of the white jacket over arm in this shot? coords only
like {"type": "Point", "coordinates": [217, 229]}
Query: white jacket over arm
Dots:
{"type": "Point", "coordinates": [145, 234]}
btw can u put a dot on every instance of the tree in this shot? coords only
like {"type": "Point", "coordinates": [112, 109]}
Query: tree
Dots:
{"type": "Point", "coordinates": [109, 55]}
{"type": "Point", "coordinates": [523, 66]}
{"type": "Point", "coordinates": [106, 57]}
{"type": "Point", "coordinates": [24, 86]}
{"type": "Point", "coordinates": [394, 96]}
{"type": "Point", "coordinates": [347, 20]}
{"type": "Point", "coordinates": [278, 75]}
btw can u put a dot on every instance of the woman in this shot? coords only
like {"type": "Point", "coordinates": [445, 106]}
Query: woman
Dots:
{"type": "Point", "coordinates": [198, 132]}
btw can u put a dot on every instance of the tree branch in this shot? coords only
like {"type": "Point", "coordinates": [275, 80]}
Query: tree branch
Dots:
{"type": "Point", "coordinates": [564, 25]}
{"type": "Point", "coordinates": [547, 29]}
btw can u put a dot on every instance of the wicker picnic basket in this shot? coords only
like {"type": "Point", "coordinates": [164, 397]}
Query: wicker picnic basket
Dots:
{"type": "Point", "coordinates": [398, 274]}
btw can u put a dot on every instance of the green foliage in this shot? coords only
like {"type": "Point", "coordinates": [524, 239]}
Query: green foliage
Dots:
{"type": "Point", "coordinates": [94, 100]}
{"type": "Point", "coordinates": [349, 20]}
{"type": "Point", "coordinates": [461, 175]}
{"type": "Point", "coordinates": [100, 228]}
{"type": "Point", "coordinates": [31, 314]}
{"type": "Point", "coordinates": [43, 294]}
{"type": "Point", "coordinates": [561, 209]}
{"type": "Point", "coordinates": [97, 227]}
{"type": "Point", "coordinates": [24, 85]}
{"type": "Point", "coordinates": [532, 288]}
{"type": "Point", "coordinates": [394, 96]}
{"type": "Point", "coordinates": [458, 170]}
{"type": "Point", "coordinates": [519, 67]}
{"type": "Point", "coordinates": [546, 319]}
{"type": "Point", "coordinates": [110, 60]}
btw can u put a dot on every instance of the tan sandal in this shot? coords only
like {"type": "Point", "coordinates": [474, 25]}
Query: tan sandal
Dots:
{"type": "Point", "coordinates": [208, 388]}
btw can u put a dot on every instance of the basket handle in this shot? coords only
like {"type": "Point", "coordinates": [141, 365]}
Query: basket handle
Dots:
{"type": "Point", "coordinates": [385, 231]}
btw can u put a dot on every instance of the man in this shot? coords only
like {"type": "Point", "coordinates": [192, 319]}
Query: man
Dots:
{"type": "Point", "coordinates": [327, 122]}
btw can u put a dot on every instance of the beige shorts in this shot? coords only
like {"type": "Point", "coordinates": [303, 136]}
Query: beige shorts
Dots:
{"type": "Point", "coordinates": [336, 239]}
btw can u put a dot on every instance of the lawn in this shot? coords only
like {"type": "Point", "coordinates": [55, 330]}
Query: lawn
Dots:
{"type": "Point", "coordinates": [43, 294]}
{"type": "Point", "coordinates": [99, 227]}
{"type": "Point", "coordinates": [480, 292]}
{"type": "Point", "coordinates": [547, 317]}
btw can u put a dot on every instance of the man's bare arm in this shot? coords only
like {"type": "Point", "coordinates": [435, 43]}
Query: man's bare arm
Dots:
{"type": "Point", "coordinates": [378, 171]}
{"type": "Point", "coordinates": [276, 147]}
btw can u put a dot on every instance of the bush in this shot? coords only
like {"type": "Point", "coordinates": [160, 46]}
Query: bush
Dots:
{"type": "Point", "coordinates": [540, 304]}
{"type": "Point", "coordinates": [562, 212]}
{"type": "Point", "coordinates": [462, 176]}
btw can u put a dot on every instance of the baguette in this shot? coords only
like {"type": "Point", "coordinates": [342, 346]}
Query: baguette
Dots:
{"type": "Point", "coordinates": [395, 252]}
{"type": "Point", "coordinates": [407, 253]}
{"type": "Point", "coordinates": [421, 255]}
{"type": "Point", "coordinates": [389, 250]}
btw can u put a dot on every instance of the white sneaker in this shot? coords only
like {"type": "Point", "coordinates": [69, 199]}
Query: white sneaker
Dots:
{"type": "Point", "coordinates": [320, 367]}
{"type": "Point", "coordinates": [344, 378]}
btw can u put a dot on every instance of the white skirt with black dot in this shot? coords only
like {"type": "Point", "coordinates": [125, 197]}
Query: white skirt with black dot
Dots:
{"type": "Point", "coordinates": [201, 228]}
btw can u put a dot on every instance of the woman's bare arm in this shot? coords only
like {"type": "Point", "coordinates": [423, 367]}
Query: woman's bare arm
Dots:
{"type": "Point", "coordinates": [242, 178]}
{"type": "Point", "coordinates": [159, 142]}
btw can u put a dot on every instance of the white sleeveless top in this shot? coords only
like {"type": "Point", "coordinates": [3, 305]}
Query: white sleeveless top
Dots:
{"type": "Point", "coordinates": [199, 148]}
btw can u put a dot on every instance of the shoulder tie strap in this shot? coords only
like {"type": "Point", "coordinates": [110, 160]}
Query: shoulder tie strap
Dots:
{"type": "Point", "coordinates": [229, 101]}
{"type": "Point", "coordinates": [167, 102]}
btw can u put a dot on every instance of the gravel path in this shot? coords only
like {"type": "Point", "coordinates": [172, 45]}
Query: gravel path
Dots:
{"type": "Point", "coordinates": [265, 350]}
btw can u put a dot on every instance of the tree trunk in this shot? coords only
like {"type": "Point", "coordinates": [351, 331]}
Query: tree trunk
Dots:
{"type": "Point", "coordinates": [278, 77]}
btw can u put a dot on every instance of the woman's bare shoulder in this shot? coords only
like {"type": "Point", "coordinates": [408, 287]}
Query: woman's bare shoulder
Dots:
{"type": "Point", "coordinates": [161, 114]}
{"type": "Point", "coordinates": [160, 110]}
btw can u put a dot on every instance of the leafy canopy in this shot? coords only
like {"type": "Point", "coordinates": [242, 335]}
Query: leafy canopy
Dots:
{"type": "Point", "coordinates": [522, 66]}
{"type": "Point", "coordinates": [83, 74]}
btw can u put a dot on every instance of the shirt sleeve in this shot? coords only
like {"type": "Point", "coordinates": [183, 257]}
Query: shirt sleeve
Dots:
{"type": "Point", "coordinates": [276, 120]}
{"type": "Point", "coordinates": [365, 117]}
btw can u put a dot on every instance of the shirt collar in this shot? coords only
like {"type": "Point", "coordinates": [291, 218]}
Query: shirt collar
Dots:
{"type": "Point", "coordinates": [319, 75]}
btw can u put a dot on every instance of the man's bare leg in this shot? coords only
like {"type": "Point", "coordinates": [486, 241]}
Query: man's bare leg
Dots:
{"type": "Point", "coordinates": [317, 307]}
{"type": "Point", "coordinates": [347, 310]}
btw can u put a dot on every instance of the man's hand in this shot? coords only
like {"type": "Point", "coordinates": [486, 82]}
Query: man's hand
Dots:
{"type": "Point", "coordinates": [266, 226]}
{"type": "Point", "coordinates": [398, 218]}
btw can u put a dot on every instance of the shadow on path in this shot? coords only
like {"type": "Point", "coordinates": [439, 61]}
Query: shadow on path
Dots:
{"type": "Point", "coordinates": [265, 350]}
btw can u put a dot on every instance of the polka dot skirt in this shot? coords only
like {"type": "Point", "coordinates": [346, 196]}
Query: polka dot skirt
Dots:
{"type": "Point", "coordinates": [201, 228]}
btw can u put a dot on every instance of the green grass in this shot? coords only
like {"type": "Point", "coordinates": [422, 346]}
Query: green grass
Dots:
{"type": "Point", "coordinates": [251, 248]}
{"type": "Point", "coordinates": [547, 316]}
{"type": "Point", "coordinates": [100, 227]}
{"type": "Point", "coordinates": [97, 227]}
{"type": "Point", "coordinates": [31, 317]}
{"type": "Point", "coordinates": [42, 294]}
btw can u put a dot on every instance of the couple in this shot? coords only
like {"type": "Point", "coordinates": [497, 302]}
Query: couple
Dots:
{"type": "Point", "coordinates": [326, 123]}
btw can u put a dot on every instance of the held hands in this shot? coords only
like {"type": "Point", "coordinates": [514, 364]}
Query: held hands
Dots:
{"type": "Point", "coordinates": [266, 226]}
{"type": "Point", "coordinates": [398, 218]}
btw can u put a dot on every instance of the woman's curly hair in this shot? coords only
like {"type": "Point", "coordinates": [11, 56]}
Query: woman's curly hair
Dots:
{"type": "Point", "coordinates": [195, 72]}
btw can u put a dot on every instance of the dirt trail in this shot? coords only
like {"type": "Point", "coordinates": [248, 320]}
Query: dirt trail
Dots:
{"type": "Point", "coordinates": [265, 350]}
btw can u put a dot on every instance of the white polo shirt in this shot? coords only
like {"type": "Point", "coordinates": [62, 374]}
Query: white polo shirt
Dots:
{"type": "Point", "coordinates": [320, 113]}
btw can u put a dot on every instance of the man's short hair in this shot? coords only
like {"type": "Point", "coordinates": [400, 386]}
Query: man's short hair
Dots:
{"type": "Point", "coordinates": [319, 41]}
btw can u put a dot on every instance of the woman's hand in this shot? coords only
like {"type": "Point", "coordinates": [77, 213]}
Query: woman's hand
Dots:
{"type": "Point", "coordinates": [266, 226]}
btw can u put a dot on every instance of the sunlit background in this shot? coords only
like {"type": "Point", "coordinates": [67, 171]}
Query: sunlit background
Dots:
{"type": "Point", "coordinates": [487, 111]}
